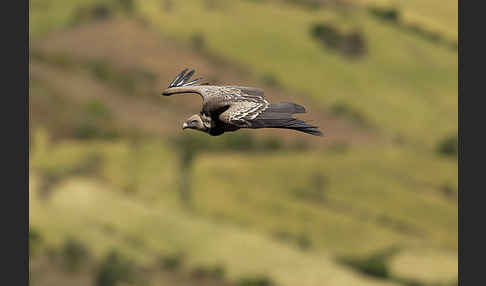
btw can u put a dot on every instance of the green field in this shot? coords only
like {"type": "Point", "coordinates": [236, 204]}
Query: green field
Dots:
{"type": "Point", "coordinates": [128, 196]}
{"type": "Point", "coordinates": [287, 207]}
{"type": "Point", "coordinates": [439, 16]}
{"type": "Point", "coordinates": [117, 219]}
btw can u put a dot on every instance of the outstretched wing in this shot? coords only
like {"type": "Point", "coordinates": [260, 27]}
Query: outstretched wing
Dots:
{"type": "Point", "coordinates": [251, 92]}
{"type": "Point", "coordinates": [239, 103]}
{"type": "Point", "coordinates": [218, 95]}
{"type": "Point", "coordinates": [246, 100]}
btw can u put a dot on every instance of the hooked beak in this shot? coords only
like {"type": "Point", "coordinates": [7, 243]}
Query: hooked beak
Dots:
{"type": "Point", "coordinates": [184, 126]}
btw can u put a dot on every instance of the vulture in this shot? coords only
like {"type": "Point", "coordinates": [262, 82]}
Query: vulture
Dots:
{"type": "Point", "coordinates": [229, 108]}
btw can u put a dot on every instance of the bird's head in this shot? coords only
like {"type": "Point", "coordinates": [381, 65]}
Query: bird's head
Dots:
{"type": "Point", "coordinates": [197, 122]}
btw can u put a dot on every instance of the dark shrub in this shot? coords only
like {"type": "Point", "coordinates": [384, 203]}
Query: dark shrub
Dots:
{"type": "Point", "coordinates": [89, 129]}
{"type": "Point", "coordinates": [215, 4]}
{"type": "Point", "coordinates": [270, 79]}
{"type": "Point", "coordinates": [100, 70]}
{"type": "Point", "coordinates": [125, 81]}
{"type": "Point", "coordinates": [90, 165]}
{"type": "Point", "coordinates": [168, 5]}
{"type": "Point", "coordinates": [59, 60]}
{"type": "Point", "coordinates": [187, 147]}
{"type": "Point", "coordinates": [319, 181]}
{"type": "Point", "coordinates": [341, 109]}
{"type": "Point", "coordinates": [352, 45]}
{"type": "Point", "coordinates": [326, 33]}
{"type": "Point", "coordinates": [238, 141]}
{"type": "Point", "coordinates": [391, 14]}
{"type": "Point", "coordinates": [199, 272]}
{"type": "Point", "coordinates": [35, 241]}
{"type": "Point", "coordinates": [255, 281]}
{"type": "Point", "coordinates": [198, 42]}
{"type": "Point", "coordinates": [375, 265]}
{"type": "Point", "coordinates": [312, 5]}
{"type": "Point", "coordinates": [192, 142]}
{"type": "Point", "coordinates": [339, 147]}
{"type": "Point", "coordinates": [114, 269]}
{"type": "Point", "coordinates": [96, 109]}
{"type": "Point", "coordinates": [448, 191]}
{"type": "Point", "coordinates": [307, 193]}
{"type": "Point", "coordinates": [271, 144]}
{"type": "Point", "coordinates": [435, 37]}
{"type": "Point", "coordinates": [452, 45]}
{"type": "Point", "coordinates": [218, 272]}
{"type": "Point", "coordinates": [91, 13]}
{"type": "Point", "coordinates": [346, 110]}
{"type": "Point", "coordinates": [449, 146]}
{"type": "Point", "coordinates": [300, 145]}
{"type": "Point", "coordinates": [94, 121]}
{"type": "Point", "coordinates": [283, 235]}
{"type": "Point", "coordinates": [100, 12]}
{"type": "Point", "coordinates": [50, 178]}
{"type": "Point", "coordinates": [304, 241]}
{"type": "Point", "coordinates": [215, 272]}
{"type": "Point", "coordinates": [74, 254]}
{"type": "Point", "coordinates": [127, 5]}
{"type": "Point", "coordinates": [171, 261]}
{"type": "Point", "coordinates": [314, 191]}
{"type": "Point", "coordinates": [424, 33]}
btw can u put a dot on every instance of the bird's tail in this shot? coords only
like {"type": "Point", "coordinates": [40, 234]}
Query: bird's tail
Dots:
{"type": "Point", "coordinates": [279, 115]}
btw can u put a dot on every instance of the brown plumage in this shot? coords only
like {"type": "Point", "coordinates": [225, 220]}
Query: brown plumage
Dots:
{"type": "Point", "coordinates": [229, 108]}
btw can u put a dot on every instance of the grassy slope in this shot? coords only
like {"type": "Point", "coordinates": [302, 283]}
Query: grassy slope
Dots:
{"type": "Point", "coordinates": [142, 181]}
{"type": "Point", "coordinates": [348, 209]}
{"type": "Point", "coordinates": [441, 267]}
{"type": "Point", "coordinates": [410, 81]}
{"type": "Point", "coordinates": [442, 12]}
{"type": "Point", "coordinates": [419, 76]}
{"type": "Point", "coordinates": [402, 173]}
{"type": "Point", "coordinates": [166, 230]}
{"type": "Point", "coordinates": [111, 219]}
{"type": "Point", "coordinates": [437, 15]}
{"type": "Point", "coordinates": [48, 15]}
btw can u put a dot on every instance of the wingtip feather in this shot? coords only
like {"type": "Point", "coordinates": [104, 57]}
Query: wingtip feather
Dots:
{"type": "Point", "coordinates": [186, 78]}
{"type": "Point", "coordinates": [179, 76]}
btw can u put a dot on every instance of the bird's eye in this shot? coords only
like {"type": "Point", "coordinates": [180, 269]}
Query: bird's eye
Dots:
{"type": "Point", "coordinates": [194, 121]}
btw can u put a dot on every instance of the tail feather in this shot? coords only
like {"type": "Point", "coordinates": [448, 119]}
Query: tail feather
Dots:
{"type": "Point", "coordinates": [279, 115]}
{"type": "Point", "coordinates": [299, 125]}
{"type": "Point", "coordinates": [285, 107]}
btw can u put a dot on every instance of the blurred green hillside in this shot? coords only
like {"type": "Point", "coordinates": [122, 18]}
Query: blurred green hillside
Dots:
{"type": "Point", "coordinates": [119, 195]}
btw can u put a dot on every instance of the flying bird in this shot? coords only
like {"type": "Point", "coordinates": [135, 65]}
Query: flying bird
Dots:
{"type": "Point", "coordinates": [229, 108]}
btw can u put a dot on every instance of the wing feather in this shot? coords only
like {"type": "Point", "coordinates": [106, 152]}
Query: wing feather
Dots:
{"type": "Point", "coordinates": [250, 91]}
{"type": "Point", "coordinates": [245, 103]}
{"type": "Point", "coordinates": [241, 113]}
